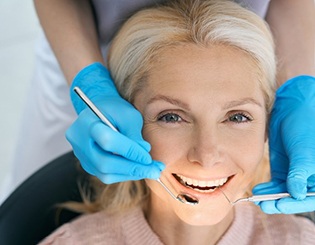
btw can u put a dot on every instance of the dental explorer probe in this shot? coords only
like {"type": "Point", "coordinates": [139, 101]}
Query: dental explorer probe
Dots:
{"type": "Point", "coordinates": [265, 197]}
{"type": "Point", "coordinates": [183, 197]}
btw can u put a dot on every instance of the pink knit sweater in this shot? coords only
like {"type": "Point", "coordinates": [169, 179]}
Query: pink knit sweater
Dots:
{"type": "Point", "coordinates": [250, 226]}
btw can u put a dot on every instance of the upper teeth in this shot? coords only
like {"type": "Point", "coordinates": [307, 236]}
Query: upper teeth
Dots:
{"type": "Point", "coordinates": [202, 183]}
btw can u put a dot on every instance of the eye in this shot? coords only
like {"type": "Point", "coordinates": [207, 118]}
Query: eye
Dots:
{"type": "Point", "coordinates": [239, 118]}
{"type": "Point", "coordinates": [170, 118]}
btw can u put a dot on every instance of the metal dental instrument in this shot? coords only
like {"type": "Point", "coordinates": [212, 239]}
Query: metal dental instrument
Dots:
{"type": "Point", "coordinates": [183, 197]}
{"type": "Point", "coordinates": [266, 197]}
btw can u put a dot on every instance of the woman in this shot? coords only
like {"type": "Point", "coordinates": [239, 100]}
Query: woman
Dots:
{"type": "Point", "coordinates": [202, 74]}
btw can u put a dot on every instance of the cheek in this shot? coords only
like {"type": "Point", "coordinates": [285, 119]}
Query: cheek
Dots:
{"type": "Point", "coordinates": [248, 160]}
{"type": "Point", "coordinates": [248, 146]}
{"type": "Point", "coordinates": [246, 149]}
{"type": "Point", "coordinates": [159, 145]}
{"type": "Point", "coordinates": [250, 152]}
{"type": "Point", "coordinates": [164, 143]}
{"type": "Point", "coordinates": [252, 159]}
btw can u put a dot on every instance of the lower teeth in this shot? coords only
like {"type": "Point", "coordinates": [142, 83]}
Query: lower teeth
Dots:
{"type": "Point", "coordinates": [210, 189]}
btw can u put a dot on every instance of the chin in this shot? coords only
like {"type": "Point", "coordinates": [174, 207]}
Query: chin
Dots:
{"type": "Point", "coordinates": [204, 216]}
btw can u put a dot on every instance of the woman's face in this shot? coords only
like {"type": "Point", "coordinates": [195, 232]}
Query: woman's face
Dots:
{"type": "Point", "coordinates": [204, 115]}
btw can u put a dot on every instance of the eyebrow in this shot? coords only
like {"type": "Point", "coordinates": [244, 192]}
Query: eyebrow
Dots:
{"type": "Point", "coordinates": [240, 102]}
{"type": "Point", "coordinates": [170, 100]}
{"type": "Point", "coordinates": [184, 105]}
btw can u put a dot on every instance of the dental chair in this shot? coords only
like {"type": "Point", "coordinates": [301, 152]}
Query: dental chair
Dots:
{"type": "Point", "coordinates": [29, 214]}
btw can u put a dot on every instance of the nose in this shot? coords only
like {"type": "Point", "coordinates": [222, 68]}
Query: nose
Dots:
{"type": "Point", "coordinates": [206, 148]}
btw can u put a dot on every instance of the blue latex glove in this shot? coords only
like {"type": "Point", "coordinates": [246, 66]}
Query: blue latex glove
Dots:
{"type": "Point", "coordinates": [94, 143]}
{"type": "Point", "coordinates": [292, 148]}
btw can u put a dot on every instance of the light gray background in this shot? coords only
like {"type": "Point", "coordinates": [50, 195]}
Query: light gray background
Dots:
{"type": "Point", "coordinates": [19, 28]}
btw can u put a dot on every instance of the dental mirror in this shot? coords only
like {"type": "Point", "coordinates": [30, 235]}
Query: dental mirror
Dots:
{"type": "Point", "coordinates": [187, 199]}
{"type": "Point", "coordinates": [183, 197]}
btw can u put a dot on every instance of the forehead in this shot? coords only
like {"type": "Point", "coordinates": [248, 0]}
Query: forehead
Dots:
{"type": "Point", "coordinates": [189, 67]}
{"type": "Point", "coordinates": [195, 56]}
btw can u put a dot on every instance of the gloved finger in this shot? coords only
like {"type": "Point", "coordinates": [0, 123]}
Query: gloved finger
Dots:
{"type": "Point", "coordinates": [297, 186]}
{"type": "Point", "coordinates": [300, 149]}
{"type": "Point", "coordinates": [118, 165]}
{"type": "Point", "coordinates": [114, 164]}
{"type": "Point", "coordinates": [128, 121]}
{"type": "Point", "coordinates": [138, 171]}
{"type": "Point", "coordinates": [269, 207]}
{"type": "Point", "coordinates": [83, 158]}
{"type": "Point", "coordinates": [279, 162]}
{"type": "Point", "coordinates": [271, 187]}
{"type": "Point", "coordinates": [109, 173]}
{"type": "Point", "coordinates": [259, 189]}
{"type": "Point", "coordinates": [134, 128]}
{"type": "Point", "coordinates": [115, 178]}
{"type": "Point", "coordinates": [96, 161]}
{"type": "Point", "coordinates": [114, 142]}
{"type": "Point", "coordinates": [153, 172]}
{"type": "Point", "coordinates": [293, 206]}
{"type": "Point", "coordinates": [311, 181]}
{"type": "Point", "coordinates": [297, 180]}
{"type": "Point", "coordinates": [288, 206]}
{"type": "Point", "coordinates": [87, 168]}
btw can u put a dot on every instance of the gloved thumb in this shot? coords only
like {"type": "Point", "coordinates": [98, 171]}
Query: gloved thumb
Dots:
{"type": "Point", "coordinates": [133, 129]}
{"type": "Point", "coordinates": [137, 137]}
{"type": "Point", "coordinates": [297, 183]}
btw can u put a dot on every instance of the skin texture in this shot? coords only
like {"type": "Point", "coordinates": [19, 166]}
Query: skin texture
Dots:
{"type": "Point", "coordinates": [190, 104]}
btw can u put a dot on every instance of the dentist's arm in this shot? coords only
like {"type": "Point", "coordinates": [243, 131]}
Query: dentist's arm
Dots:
{"type": "Point", "coordinates": [70, 28]}
{"type": "Point", "coordinates": [293, 26]}
{"type": "Point", "coordinates": [292, 127]}
{"type": "Point", "coordinates": [71, 31]}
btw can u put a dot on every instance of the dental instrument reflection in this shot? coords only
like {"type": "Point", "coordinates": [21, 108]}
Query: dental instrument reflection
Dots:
{"type": "Point", "coordinates": [183, 197]}
{"type": "Point", "coordinates": [260, 198]}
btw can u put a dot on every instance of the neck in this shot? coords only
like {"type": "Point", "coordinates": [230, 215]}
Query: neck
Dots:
{"type": "Point", "coordinates": [172, 230]}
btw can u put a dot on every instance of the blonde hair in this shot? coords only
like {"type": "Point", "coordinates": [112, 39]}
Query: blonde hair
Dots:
{"type": "Point", "coordinates": [200, 22]}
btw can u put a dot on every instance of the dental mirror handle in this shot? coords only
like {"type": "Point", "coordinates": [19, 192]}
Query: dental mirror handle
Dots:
{"type": "Point", "coordinates": [166, 188]}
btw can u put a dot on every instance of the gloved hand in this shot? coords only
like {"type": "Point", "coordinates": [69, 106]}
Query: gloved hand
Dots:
{"type": "Point", "coordinates": [292, 148]}
{"type": "Point", "coordinates": [110, 156]}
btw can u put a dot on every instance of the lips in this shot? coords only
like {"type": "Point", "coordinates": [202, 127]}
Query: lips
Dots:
{"type": "Point", "coordinates": [200, 185]}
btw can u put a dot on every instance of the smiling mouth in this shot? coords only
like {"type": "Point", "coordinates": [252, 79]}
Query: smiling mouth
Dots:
{"type": "Point", "coordinates": [198, 185]}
